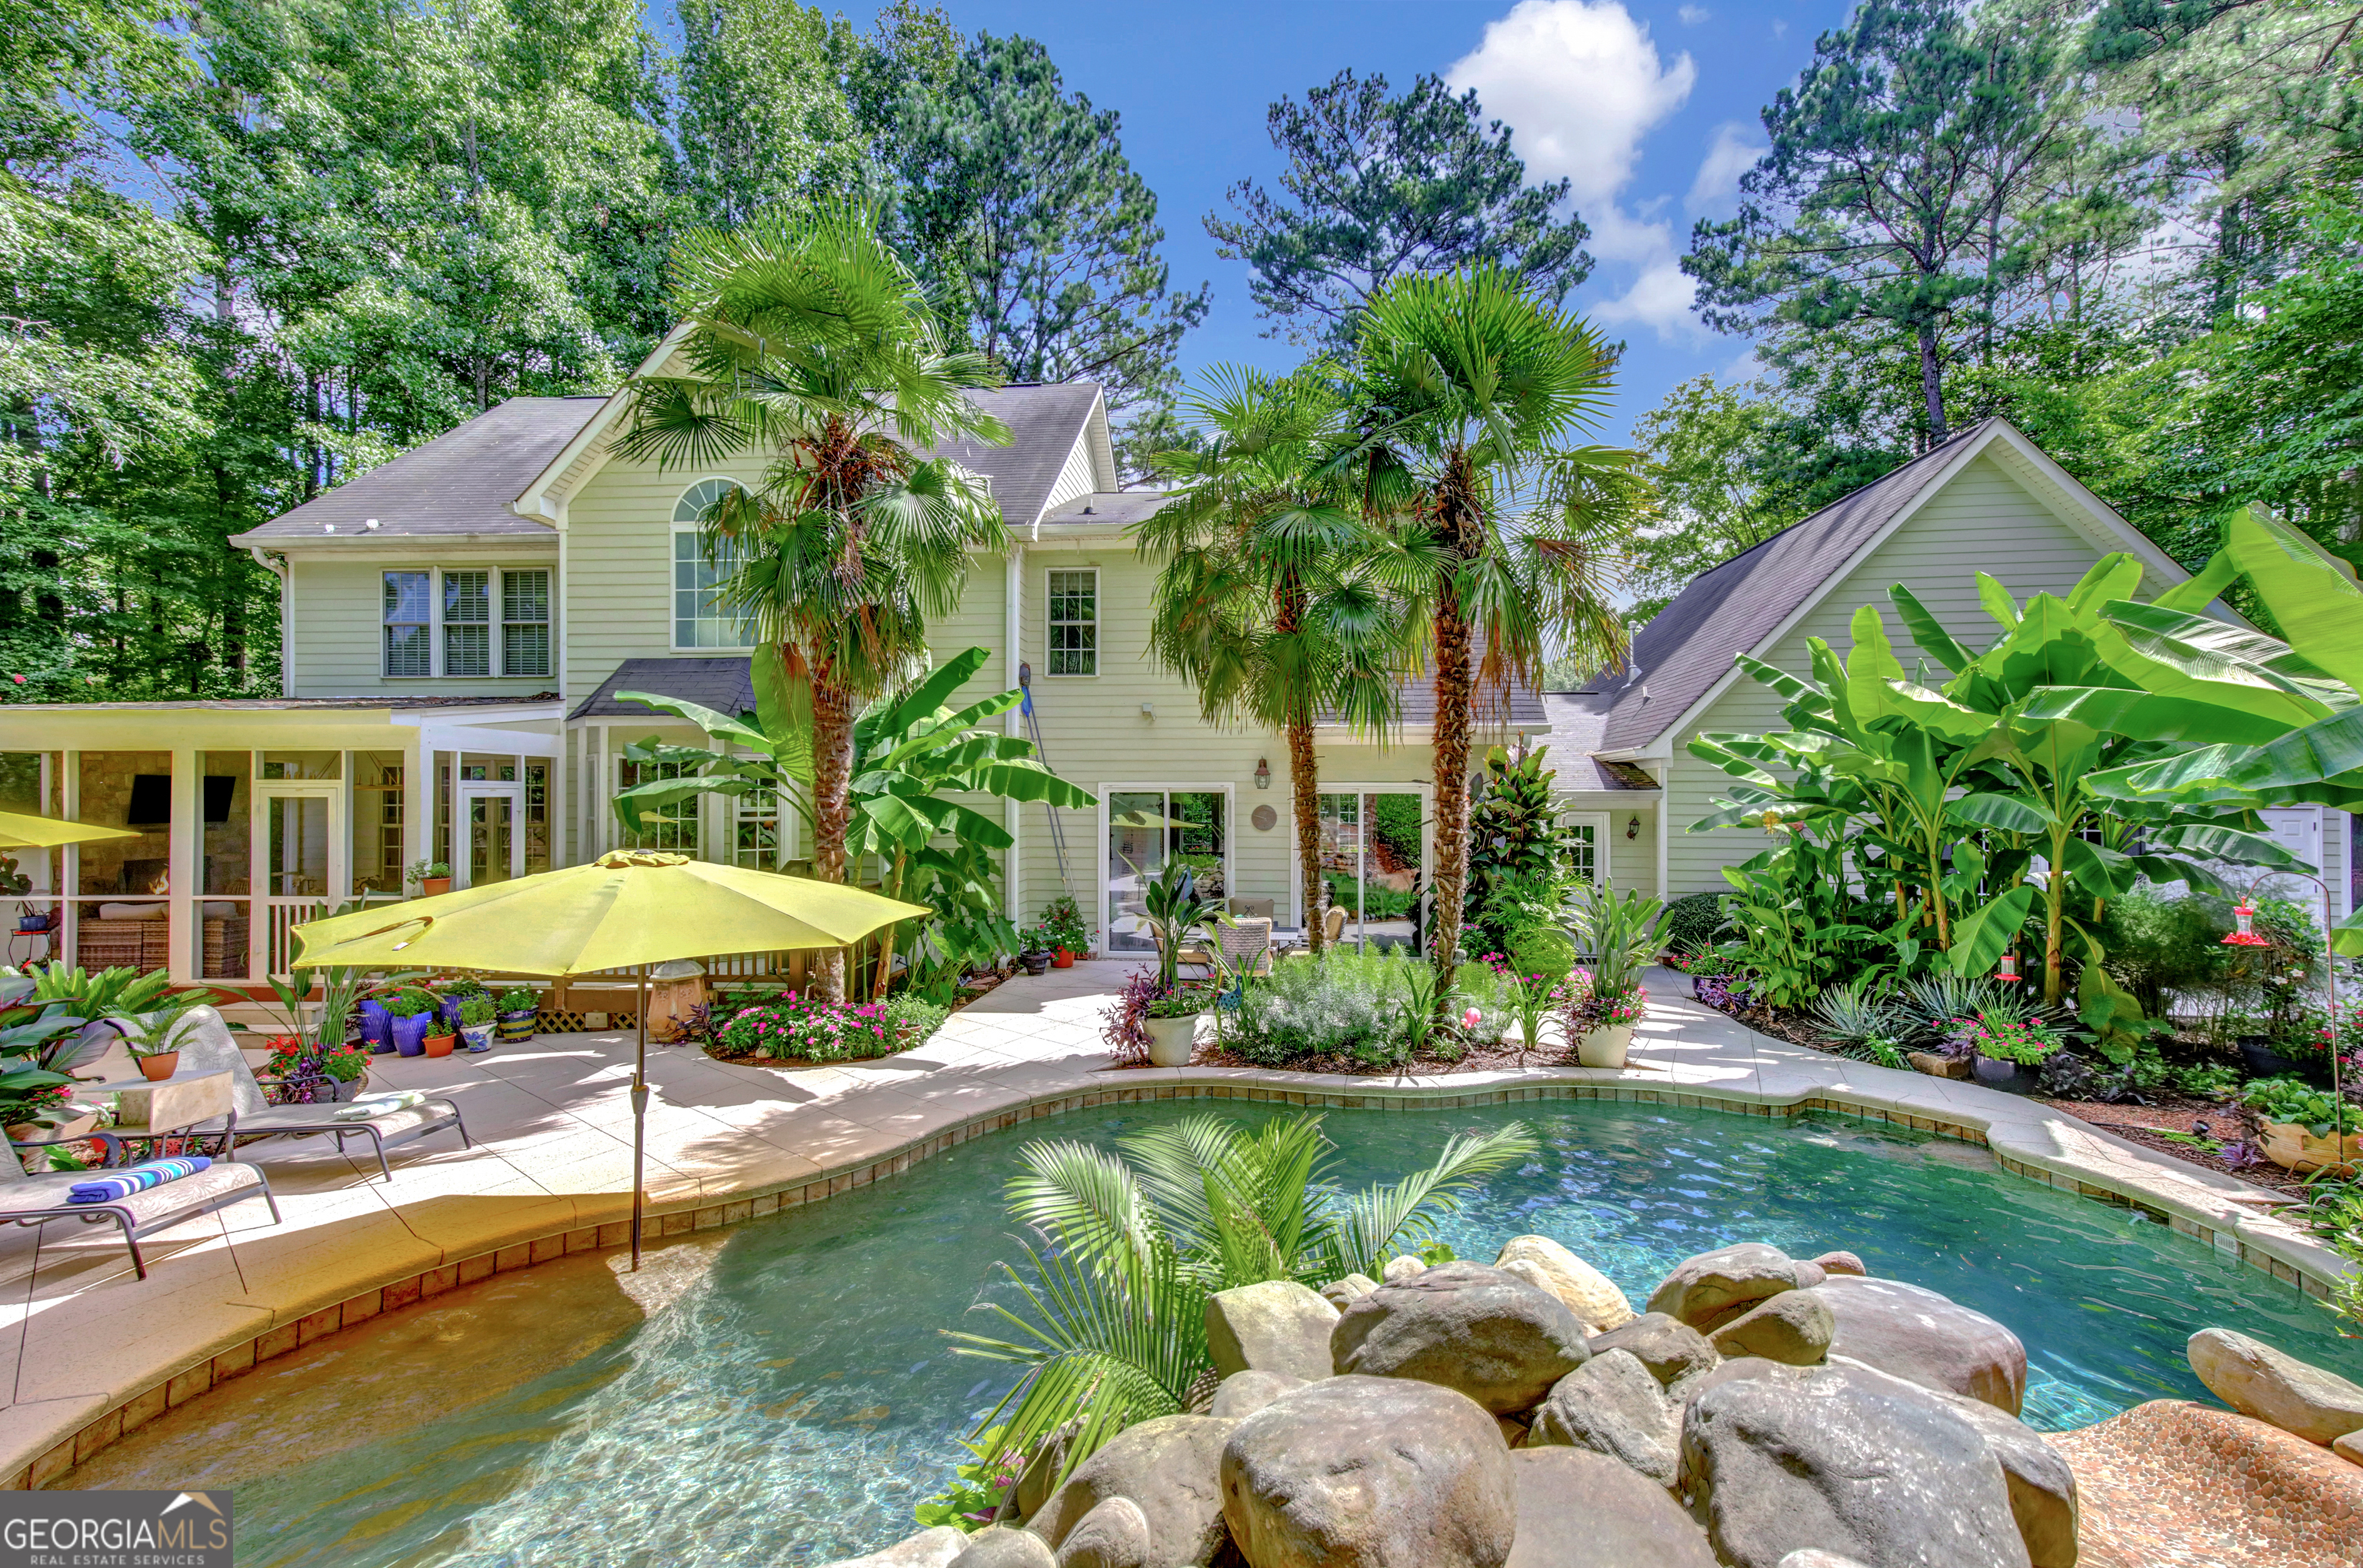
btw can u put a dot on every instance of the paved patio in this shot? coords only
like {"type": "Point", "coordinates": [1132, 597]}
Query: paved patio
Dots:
{"type": "Point", "coordinates": [86, 1350]}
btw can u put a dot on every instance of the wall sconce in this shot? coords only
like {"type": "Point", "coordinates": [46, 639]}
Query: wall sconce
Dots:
{"type": "Point", "coordinates": [1149, 711]}
{"type": "Point", "coordinates": [1262, 774]}
{"type": "Point", "coordinates": [1633, 827]}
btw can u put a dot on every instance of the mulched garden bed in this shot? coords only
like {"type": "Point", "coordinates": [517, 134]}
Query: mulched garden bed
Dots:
{"type": "Point", "coordinates": [2172, 1112]}
{"type": "Point", "coordinates": [1476, 1059]}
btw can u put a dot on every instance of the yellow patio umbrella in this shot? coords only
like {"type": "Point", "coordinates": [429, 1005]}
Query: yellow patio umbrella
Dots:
{"type": "Point", "coordinates": [627, 910]}
{"type": "Point", "coordinates": [20, 830]}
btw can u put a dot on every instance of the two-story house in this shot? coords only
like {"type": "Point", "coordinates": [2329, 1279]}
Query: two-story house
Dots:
{"type": "Point", "coordinates": [456, 626]}
{"type": "Point", "coordinates": [457, 622]}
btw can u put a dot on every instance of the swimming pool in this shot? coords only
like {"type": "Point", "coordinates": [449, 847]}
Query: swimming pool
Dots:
{"type": "Point", "coordinates": [780, 1392]}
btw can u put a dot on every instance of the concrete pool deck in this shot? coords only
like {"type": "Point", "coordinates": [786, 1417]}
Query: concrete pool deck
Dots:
{"type": "Point", "coordinates": [87, 1351]}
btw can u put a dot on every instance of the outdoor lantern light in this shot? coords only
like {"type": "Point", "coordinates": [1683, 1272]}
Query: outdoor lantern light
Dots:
{"type": "Point", "coordinates": [2008, 975]}
{"type": "Point", "coordinates": [1263, 774]}
{"type": "Point", "coordinates": [1633, 828]}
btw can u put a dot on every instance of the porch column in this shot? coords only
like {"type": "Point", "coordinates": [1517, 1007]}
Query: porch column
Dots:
{"type": "Point", "coordinates": [183, 864]}
{"type": "Point", "coordinates": [1012, 868]}
{"type": "Point", "coordinates": [417, 800]}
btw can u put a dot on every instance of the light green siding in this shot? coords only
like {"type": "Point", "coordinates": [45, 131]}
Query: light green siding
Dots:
{"type": "Point", "coordinates": [1982, 520]}
{"type": "Point", "coordinates": [335, 602]}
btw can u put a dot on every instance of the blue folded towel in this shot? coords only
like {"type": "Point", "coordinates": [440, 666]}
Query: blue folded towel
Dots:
{"type": "Point", "coordinates": [137, 1178]}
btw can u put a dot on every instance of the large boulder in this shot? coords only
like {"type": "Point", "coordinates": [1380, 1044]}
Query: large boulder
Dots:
{"type": "Point", "coordinates": [1113, 1535]}
{"type": "Point", "coordinates": [999, 1547]}
{"type": "Point", "coordinates": [1171, 1469]}
{"type": "Point", "coordinates": [1849, 1461]}
{"type": "Point", "coordinates": [1793, 1327]}
{"type": "Point", "coordinates": [1460, 1325]}
{"type": "Point", "coordinates": [930, 1549]}
{"type": "Point", "coordinates": [1922, 1337]}
{"type": "Point", "coordinates": [1277, 1326]}
{"type": "Point", "coordinates": [1577, 1509]}
{"type": "Point", "coordinates": [1242, 1394]}
{"type": "Point", "coordinates": [1840, 1263]}
{"type": "Point", "coordinates": [1613, 1405]}
{"type": "Point", "coordinates": [1370, 1473]}
{"type": "Point", "coordinates": [2042, 1487]}
{"type": "Point", "coordinates": [1669, 1347]}
{"type": "Point", "coordinates": [1400, 1268]}
{"type": "Point", "coordinates": [2258, 1380]}
{"type": "Point", "coordinates": [1590, 1295]}
{"type": "Point", "coordinates": [1709, 1288]}
{"type": "Point", "coordinates": [1681, 1391]}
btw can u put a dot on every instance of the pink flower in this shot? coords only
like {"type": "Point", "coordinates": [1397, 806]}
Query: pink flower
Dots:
{"type": "Point", "coordinates": [1469, 1019]}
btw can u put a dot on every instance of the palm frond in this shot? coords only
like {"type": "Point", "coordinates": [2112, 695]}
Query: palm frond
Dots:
{"type": "Point", "coordinates": [1089, 1203]}
{"type": "Point", "coordinates": [1366, 1225]}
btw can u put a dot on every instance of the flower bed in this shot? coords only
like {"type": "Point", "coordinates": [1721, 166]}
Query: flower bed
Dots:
{"type": "Point", "coordinates": [805, 1030]}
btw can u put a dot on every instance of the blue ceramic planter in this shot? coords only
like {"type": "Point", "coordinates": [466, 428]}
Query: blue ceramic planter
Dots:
{"type": "Point", "coordinates": [377, 1027]}
{"type": "Point", "coordinates": [410, 1034]}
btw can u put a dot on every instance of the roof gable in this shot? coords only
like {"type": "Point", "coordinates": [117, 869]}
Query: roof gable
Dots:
{"type": "Point", "coordinates": [1685, 655]}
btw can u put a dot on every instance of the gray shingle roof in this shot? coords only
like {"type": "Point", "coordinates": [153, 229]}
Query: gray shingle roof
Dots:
{"type": "Point", "coordinates": [721, 684]}
{"type": "Point", "coordinates": [461, 482]}
{"type": "Point", "coordinates": [1577, 721]}
{"type": "Point", "coordinates": [1729, 610]}
{"type": "Point", "coordinates": [1123, 506]}
{"type": "Point", "coordinates": [1043, 422]}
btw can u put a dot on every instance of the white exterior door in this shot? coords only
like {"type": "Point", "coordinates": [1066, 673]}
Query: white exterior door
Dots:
{"type": "Point", "coordinates": [492, 814]}
{"type": "Point", "coordinates": [298, 825]}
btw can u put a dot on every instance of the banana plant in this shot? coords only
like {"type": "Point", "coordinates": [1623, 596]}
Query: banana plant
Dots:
{"type": "Point", "coordinates": [912, 753]}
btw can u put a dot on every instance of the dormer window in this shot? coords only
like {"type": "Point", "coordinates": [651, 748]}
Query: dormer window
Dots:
{"type": "Point", "coordinates": [699, 619]}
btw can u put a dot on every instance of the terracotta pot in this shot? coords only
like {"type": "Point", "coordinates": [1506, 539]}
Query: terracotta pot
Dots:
{"type": "Point", "coordinates": [430, 885]}
{"type": "Point", "coordinates": [1171, 1040]}
{"type": "Point", "coordinates": [1605, 1047]}
{"type": "Point", "coordinates": [1063, 959]}
{"type": "Point", "coordinates": [2289, 1145]}
{"type": "Point", "coordinates": [440, 1045]}
{"type": "Point", "coordinates": [158, 1068]}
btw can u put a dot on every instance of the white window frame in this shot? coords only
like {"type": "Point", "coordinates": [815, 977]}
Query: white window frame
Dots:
{"type": "Point", "coordinates": [1426, 794]}
{"type": "Point", "coordinates": [1049, 626]}
{"type": "Point", "coordinates": [672, 564]}
{"type": "Point", "coordinates": [1230, 793]}
{"type": "Point", "coordinates": [548, 623]}
{"type": "Point", "coordinates": [497, 573]}
{"type": "Point", "coordinates": [385, 648]}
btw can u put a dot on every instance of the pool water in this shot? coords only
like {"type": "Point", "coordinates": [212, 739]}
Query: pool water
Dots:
{"type": "Point", "coordinates": [782, 1393]}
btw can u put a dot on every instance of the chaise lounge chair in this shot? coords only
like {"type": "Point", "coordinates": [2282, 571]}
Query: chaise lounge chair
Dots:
{"type": "Point", "coordinates": [207, 1046]}
{"type": "Point", "coordinates": [41, 1199]}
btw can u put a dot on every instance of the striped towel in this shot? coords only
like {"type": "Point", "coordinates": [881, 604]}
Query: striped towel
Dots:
{"type": "Point", "coordinates": [137, 1178]}
{"type": "Point", "coordinates": [370, 1105]}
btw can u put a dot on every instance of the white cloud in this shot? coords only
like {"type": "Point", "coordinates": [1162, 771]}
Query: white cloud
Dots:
{"type": "Point", "coordinates": [1581, 83]}
{"type": "Point", "coordinates": [1692, 16]}
{"type": "Point", "coordinates": [1732, 153]}
{"type": "Point", "coordinates": [1780, 27]}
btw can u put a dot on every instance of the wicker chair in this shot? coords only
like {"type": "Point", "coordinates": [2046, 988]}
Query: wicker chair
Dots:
{"type": "Point", "coordinates": [1246, 946]}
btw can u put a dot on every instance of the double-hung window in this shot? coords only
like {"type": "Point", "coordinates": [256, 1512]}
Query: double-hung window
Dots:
{"type": "Point", "coordinates": [467, 622]}
{"type": "Point", "coordinates": [700, 619]}
{"type": "Point", "coordinates": [1075, 622]}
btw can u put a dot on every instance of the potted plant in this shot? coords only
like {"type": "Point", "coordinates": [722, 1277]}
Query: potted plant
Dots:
{"type": "Point", "coordinates": [515, 1011]}
{"type": "Point", "coordinates": [2305, 1128]}
{"type": "Point", "coordinates": [477, 1021]}
{"type": "Point", "coordinates": [409, 1015]}
{"type": "Point", "coordinates": [1620, 930]}
{"type": "Point", "coordinates": [2005, 1052]}
{"type": "Point", "coordinates": [430, 876]}
{"type": "Point", "coordinates": [1063, 931]}
{"type": "Point", "coordinates": [1175, 912]}
{"type": "Point", "coordinates": [330, 1075]}
{"type": "Point", "coordinates": [1172, 1024]}
{"type": "Point", "coordinates": [1035, 953]}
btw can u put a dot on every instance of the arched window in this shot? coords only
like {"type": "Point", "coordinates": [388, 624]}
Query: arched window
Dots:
{"type": "Point", "coordinates": [698, 622]}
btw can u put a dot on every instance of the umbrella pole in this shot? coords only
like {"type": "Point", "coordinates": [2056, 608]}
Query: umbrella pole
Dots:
{"type": "Point", "coordinates": [639, 1112]}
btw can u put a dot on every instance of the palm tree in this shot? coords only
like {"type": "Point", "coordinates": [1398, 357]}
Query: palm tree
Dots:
{"type": "Point", "coordinates": [1114, 1327]}
{"type": "Point", "coordinates": [1266, 603]}
{"type": "Point", "coordinates": [1470, 392]}
{"type": "Point", "coordinates": [812, 345]}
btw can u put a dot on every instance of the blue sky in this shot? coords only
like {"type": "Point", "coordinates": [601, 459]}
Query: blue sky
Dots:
{"type": "Point", "coordinates": [1650, 108]}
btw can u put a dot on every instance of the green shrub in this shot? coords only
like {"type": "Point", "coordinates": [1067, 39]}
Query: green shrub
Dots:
{"type": "Point", "coordinates": [1543, 950]}
{"type": "Point", "coordinates": [914, 1019]}
{"type": "Point", "coordinates": [1341, 1004]}
{"type": "Point", "coordinates": [1693, 925]}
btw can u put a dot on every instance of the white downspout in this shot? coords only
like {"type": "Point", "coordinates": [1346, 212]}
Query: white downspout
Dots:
{"type": "Point", "coordinates": [1665, 812]}
{"type": "Point", "coordinates": [286, 576]}
{"type": "Point", "coordinates": [1013, 724]}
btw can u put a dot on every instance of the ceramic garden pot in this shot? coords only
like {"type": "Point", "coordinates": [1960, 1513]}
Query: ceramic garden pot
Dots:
{"type": "Point", "coordinates": [2289, 1145]}
{"type": "Point", "coordinates": [2007, 1076]}
{"type": "Point", "coordinates": [2259, 1060]}
{"type": "Point", "coordinates": [410, 1034]}
{"type": "Point", "coordinates": [1063, 959]}
{"type": "Point", "coordinates": [377, 1025]}
{"type": "Point", "coordinates": [1036, 963]}
{"type": "Point", "coordinates": [1171, 1040]}
{"type": "Point", "coordinates": [158, 1068]}
{"type": "Point", "coordinates": [517, 1025]}
{"type": "Point", "coordinates": [440, 1045]}
{"type": "Point", "coordinates": [1605, 1047]}
{"type": "Point", "coordinates": [479, 1036]}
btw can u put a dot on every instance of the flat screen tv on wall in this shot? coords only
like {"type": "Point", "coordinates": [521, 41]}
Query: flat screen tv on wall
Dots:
{"type": "Point", "coordinates": [151, 799]}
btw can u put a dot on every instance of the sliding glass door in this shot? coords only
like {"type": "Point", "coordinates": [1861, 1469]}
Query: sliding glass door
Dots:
{"type": "Point", "coordinates": [1371, 859]}
{"type": "Point", "coordinates": [1148, 825]}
